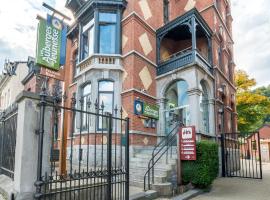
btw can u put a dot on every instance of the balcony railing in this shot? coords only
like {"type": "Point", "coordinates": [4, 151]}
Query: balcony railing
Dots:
{"type": "Point", "coordinates": [101, 62]}
{"type": "Point", "coordinates": [181, 59]}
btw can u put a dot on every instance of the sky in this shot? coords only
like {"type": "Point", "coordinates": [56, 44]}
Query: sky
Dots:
{"type": "Point", "coordinates": [251, 32]}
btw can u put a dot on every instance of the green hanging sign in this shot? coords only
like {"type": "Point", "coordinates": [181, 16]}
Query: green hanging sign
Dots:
{"type": "Point", "coordinates": [48, 45]}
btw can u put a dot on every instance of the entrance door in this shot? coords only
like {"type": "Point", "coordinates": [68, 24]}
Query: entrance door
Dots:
{"type": "Point", "coordinates": [174, 116]}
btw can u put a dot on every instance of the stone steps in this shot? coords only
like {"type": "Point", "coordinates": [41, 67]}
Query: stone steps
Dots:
{"type": "Point", "coordinates": [162, 174]}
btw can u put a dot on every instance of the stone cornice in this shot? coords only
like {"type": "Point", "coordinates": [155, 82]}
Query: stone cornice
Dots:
{"type": "Point", "coordinates": [138, 91]}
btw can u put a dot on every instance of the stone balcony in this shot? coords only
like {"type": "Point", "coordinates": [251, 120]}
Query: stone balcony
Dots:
{"type": "Point", "coordinates": [100, 61]}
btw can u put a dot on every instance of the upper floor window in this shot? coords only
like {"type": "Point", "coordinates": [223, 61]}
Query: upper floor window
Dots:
{"type": "Point", "coordinates": [87, 39]}
{"type": "Point", "coordinates": [165, 11]}
{"type": "Point", "coordinates": [107, 33]}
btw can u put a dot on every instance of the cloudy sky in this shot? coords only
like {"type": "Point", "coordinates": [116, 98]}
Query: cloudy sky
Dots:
{"type": "Point", "coordinates": [251, 27]}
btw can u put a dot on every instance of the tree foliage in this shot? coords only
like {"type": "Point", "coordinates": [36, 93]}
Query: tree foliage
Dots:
{"type": "Point", "coordinates": [252, 107]}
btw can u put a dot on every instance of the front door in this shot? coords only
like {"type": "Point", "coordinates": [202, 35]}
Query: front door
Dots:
{"type": "Point", "coordinates": [174, 115]}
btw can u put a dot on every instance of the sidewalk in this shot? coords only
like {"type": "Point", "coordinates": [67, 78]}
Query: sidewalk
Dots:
{"type": "Point", "coordinates": [239, 188]}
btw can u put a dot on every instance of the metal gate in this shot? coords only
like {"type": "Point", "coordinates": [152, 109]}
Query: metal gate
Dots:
{"type": "Point", "coordinates": [241, 155]}
{"type": "Point", "coordinates": [88, 151]}
{"type": "Point", "coordinates": [8, 130]}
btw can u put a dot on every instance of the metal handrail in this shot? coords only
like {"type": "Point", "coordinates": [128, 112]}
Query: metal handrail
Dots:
{"type": "Point", "coordinates": [168, 140]}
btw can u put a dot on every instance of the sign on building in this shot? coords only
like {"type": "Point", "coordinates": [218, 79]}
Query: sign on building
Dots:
{"type": "Point", "coordinates": [187, 143]}
{"type": "Point", "coordinates": [146, 109]}
{"type": "Point", "coordinates": [51, 43]}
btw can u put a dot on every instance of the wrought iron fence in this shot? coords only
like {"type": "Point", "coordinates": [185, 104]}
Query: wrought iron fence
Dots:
{"type": "Point", "coordinates": [8, 128]}
{"type": "Point", "coordinates": [241, 155]}
{"type": "Point", "coordinates": [89, 151]}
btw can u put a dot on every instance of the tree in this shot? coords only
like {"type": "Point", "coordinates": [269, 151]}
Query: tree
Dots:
{"type": "Point", "coordinates": [265, 91]}
{"type": "Point", "coordinates": [252, 107]}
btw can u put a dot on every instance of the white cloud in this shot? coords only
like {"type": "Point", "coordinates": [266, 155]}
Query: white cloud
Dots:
{"type": "Point", "coordinates": [18, 27]}
{"type": "Point", "coordinates": [251, 30]}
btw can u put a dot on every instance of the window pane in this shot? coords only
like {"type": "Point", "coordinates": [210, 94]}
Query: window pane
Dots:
{"type": "Point", "coordinates": [107, 17]}
{"type": "Point", "coordinates": [106, 86]}
{"type": "Point", "coordinates": [107, 38]}
{"type": "Point", "coordinates": [88, 39]}
{"type": "Point", "coordinates": [86, 89]}
{"type": "Point", "coordinates": [107, 99]}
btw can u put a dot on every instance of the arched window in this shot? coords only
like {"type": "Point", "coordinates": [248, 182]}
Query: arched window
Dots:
{"type": "Point", "coordinates": [86, 97]}
{"type": "Point", "coordinates": [204, 108]}
{"type": "Point", "coordinates": [105, 97]}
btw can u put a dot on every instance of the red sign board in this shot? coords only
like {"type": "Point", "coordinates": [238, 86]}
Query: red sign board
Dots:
{"type": "Point", "coordinates": [59, 75]}
{"type": "Point", "coordinates": [187, 143]}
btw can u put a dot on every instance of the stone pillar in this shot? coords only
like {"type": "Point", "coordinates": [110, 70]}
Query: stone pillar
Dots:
{"type": "Point", "coordinates": [212, 117]}
{"type": "Point", "coordinates": [194, 107]}
{"type": "Point", "coordinates": [26, 153]}
{"type": "Point", "coordinates": [161, 124]}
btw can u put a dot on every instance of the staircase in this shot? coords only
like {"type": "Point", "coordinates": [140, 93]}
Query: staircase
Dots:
{"type": "Point", "coordinates": [163, 170]}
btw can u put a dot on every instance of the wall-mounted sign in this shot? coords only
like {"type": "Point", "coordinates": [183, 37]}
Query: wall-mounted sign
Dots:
{"type": "Point", "coordinates": [145, 109]}
{"type": "Point", "coordinates": [187, 143]}
{"type": "Point", "coordinates": [151, 111]}
{"type": "Point", "coordinates": [138, 107]}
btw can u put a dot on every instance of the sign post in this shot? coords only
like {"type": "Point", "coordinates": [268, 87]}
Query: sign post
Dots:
{"type": "Point", "coordinates": [186, 141]}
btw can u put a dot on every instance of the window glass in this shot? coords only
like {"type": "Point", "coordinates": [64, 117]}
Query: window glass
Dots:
{"type": "Point", "coordinates": [106, 86]}
{"type": "Point", "coordinates": [107, 17]}
{"type": "Point", "coordinates": [105, 97]}
{"type": "Point", "coordinates": [88, 39]}
{"type": "Point", "coordinates": [107, 33]}
{"type": "Point", "coordinates": [86, 97]}
{"type": "Point", "coordinates": [107, 38]}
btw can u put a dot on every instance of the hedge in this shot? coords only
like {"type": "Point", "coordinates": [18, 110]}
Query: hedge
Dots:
{"type": "Point", "coordinates": [204, 170]}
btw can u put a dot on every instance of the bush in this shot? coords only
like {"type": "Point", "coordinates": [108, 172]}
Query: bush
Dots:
{"type": "Point", "coordinates": [204, 170]}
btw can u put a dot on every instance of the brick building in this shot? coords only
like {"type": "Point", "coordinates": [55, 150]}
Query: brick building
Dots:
{"type": "Point", "coordinates": [177, 55]}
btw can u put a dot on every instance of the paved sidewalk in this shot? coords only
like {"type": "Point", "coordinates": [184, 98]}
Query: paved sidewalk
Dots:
{"type": "Point", "coordinates": [239, 188]}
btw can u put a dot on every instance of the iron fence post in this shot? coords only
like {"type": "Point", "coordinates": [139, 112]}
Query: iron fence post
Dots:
{"type": "Point", "coordinates": [2, 141]}
{"type": "Point", "coordinates": [222, 138]}
{"type": "Point", "coordinates": [127, 159]}
{"type": "Point", "coordinates": [260, 157]}
{"type": "Point", "coordinates": [109, 158]}
{"type": "Point", "coordinates": [39, 181]}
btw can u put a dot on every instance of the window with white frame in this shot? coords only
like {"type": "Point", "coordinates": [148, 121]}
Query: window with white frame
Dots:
{"type": "Point", "coordinates": [87, 45]}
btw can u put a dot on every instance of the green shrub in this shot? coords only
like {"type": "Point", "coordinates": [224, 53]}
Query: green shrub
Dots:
{"type": "Point", "coordinates": [204, 170]}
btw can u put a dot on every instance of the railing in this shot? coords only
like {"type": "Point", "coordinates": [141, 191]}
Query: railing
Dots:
{"type": "Point", "coordinates": [92, 161]}
{"type": "Point", "coordinates": [97, 60]}
{"type": "Point", "coordinates": [8, 129]}
{"type": "Point", "coordinates": [158, 152]}
{"type": "Point", "coordinates": [182, 58]}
